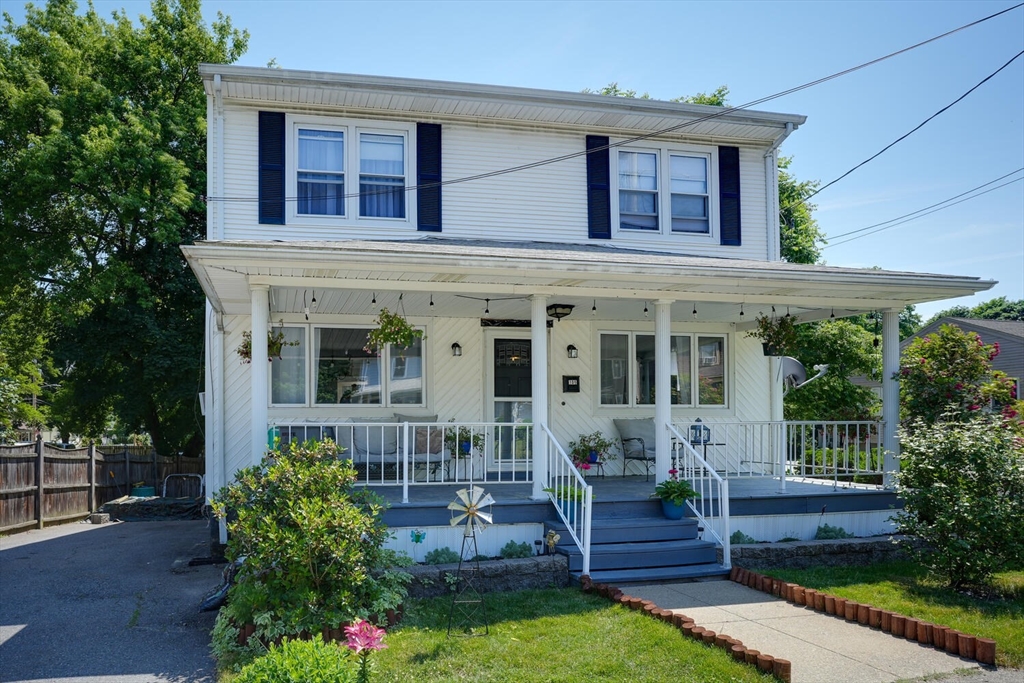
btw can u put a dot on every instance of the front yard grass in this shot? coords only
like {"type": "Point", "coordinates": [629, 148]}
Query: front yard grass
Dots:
{"type": "Point", "coordinates": [905, 587]}
{"type": "Point", "coordinates": [550, 635]}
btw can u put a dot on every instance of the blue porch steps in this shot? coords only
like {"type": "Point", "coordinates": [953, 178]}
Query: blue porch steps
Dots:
{"type": "Point", "coordinates": [643, 547]}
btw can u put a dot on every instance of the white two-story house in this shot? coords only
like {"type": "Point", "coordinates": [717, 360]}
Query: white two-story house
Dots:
{"type": "Point", "coordinates": [573, 259]}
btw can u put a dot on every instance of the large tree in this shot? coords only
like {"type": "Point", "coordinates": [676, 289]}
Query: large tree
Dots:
{"type": "Point", "coordinates": [103, 164]}
{"type": "Point", "coordinates": [999, 308]}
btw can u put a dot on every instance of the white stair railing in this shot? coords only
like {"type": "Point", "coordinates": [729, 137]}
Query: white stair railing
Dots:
{"type": "Point", "coordinates": [572, 497]}
{"type": "Point", "coordinates": [711, 506]}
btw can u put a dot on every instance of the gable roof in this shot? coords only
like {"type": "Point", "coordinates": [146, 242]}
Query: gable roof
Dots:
{"type": "Point", "coordinates": [1013, 328]}
{"type": "Point", "coordinates": [430, 100]}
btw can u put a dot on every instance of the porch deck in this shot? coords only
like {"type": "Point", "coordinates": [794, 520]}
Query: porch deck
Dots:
{"type": "Point", "coordinates": [618, 496]}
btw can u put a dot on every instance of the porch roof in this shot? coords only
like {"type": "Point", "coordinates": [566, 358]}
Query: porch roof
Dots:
{"type": "Point", "coordinates": [346, 274]}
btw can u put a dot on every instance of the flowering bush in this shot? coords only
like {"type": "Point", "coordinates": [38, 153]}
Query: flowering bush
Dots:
{"type": "Point", "coordinates": [948, 375]}
{"type": "Point", "coordinates": [393, 329]}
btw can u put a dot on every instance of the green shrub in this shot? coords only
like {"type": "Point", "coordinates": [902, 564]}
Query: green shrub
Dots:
{"type": "Point", "coordinates": [441, 556]}
{"type": "Point", "coordinates": [513, 550]}
{"type": "Point", "coordinates": [827, 532]}
{"type": "Point", "coordinates": [788, 539]}
{"type": "Point", "coordinates": [479, 558]}
{"type": "Point", "coordinates": [740, 538]}
{"type": "Point", "coordinates": [314, 551]}
{"type": "Point", "coordinates": [301, 661]}
{"type": "Point", "coordinates": [962, 484]}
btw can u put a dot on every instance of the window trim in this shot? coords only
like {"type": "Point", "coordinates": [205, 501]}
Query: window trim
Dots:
{"type": "Point", "coordinates": [353, 130]}
{"type": "Point", "coordinates": [664, 152]}
{"type": "Point", "coordinates": [694, 336]}
{"type": "Point", "coordinates": [385, 366]}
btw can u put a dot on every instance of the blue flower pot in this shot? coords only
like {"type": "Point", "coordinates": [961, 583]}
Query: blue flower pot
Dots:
{"type": "Point", "coordinates": [593, 456]}
{"type": "Point", "coordinates": [672, 510]}
{"type": "Point", "coordinates": [569, 510]}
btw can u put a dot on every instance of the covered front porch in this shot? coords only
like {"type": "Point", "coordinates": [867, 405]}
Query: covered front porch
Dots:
{"type": "Point", "coordinates": [528, 346]}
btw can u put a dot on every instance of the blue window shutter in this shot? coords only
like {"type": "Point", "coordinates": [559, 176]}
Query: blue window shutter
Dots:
{"type": "Point", "coordinates": [729, 195]}
{"type": "Point", "coordinates": [428, 177]}
{"type": "Point", "coordinates": [599, 205]}
{"type": "Point", "coordinates": [271, 171]}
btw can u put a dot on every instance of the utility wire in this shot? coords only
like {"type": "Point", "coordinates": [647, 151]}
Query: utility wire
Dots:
{"type": "Point", "coordinates": [904, 136]}
{"type": "Point", "coordinates": [906, 215]}
{"type": "Point", "coordinates": [723, 112]}
{"type": "Point", "coordinates": [866, 234]}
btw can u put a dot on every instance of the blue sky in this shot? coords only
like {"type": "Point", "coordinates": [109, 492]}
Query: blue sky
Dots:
{"type": "Point", "coordinates": [756, 48]}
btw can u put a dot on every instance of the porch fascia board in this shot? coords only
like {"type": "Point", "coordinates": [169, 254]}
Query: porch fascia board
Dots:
{"type": "Point", "coordinates": [676, 278]}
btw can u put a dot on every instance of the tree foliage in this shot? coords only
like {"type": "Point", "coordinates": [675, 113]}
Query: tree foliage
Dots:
{"type": "Point", "coordinates": [999, 308]}
{"type": "Point", "coordinates": [103, 164]}
{"type": "Point", "coordinates": [847, 349]}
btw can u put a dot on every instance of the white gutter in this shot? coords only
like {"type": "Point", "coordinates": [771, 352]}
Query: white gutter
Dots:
{"type": "Point", "coordinates": [215, 184]}
{"type": "Point", "coordinates": [772, 208]}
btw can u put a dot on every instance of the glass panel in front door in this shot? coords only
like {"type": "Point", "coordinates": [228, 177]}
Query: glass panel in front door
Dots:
{"type": "Point", "coordinates": [512, 398]}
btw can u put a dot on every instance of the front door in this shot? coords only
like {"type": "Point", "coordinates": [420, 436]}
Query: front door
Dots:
{"type": "Point", "coordinates": [512, 402]}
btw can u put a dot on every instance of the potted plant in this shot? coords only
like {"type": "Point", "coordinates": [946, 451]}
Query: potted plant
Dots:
{"type": "Point", "coordinates": [393, 329]}
{"type": "Point", "coordinates": [674, 492]}
{"type": "Point", "coordinates": [777, 334]}
{"type": "Point", "coordinates": [275, 344]}
{"type": "Point", "coordinates": [589, 449]}
{"type": "Point", "coordinates": [462, 441]}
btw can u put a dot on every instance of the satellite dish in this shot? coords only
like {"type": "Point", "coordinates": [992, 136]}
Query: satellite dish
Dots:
{"type": "Point", "coordinates": [468, 504]}
{"type": "Point", "coordinates": [793, 372]}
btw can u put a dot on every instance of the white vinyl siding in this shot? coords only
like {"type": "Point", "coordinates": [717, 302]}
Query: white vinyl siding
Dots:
{"type": "Point", "coordinates": [547, 203]}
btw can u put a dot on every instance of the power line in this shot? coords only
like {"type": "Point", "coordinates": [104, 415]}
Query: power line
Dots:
{"type": "Point", "coordinates": [724, 111]}
{"type": "Point", "coordinates": [905, 135]}
{"type": "Point", "coordinates": [965, 199]}
{"type": "Point", "coordinates": [906, 215]}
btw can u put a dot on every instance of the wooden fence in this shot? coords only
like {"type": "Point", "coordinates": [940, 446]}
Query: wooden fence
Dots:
{"type": "Point", "coordinates": [76, 482]}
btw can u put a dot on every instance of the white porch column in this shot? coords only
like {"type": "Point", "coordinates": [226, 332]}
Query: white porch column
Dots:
{"type": "Point", "coordinates": [259, 376]}
{"type": "Point", "coordinates": [890, 391]}
{"type": "Point", "coordinates": [662, 388]}
{"type": "Point", "coordinates": [539, 379]}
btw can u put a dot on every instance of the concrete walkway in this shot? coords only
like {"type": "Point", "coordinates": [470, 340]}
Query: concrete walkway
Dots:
{"type": "Point", "coordinates": [822, 648]}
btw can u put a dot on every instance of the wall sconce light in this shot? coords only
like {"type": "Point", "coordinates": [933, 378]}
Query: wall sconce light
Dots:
{"type": "Point", "coordinates": [559, 311]}
{"type": "Point", "coordinates": [572, 351]}
{"type": "Point", "coordinates": [456, 349]}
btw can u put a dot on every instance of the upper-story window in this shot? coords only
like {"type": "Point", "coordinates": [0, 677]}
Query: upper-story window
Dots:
{"type": "Point", "coordinates": [328, 156]}
{"type": "Point", "coordinates": [666, 190]}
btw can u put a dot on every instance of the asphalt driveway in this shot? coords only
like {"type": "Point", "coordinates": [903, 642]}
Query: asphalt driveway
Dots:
{"type": "Point", "coordinates": [114, 603]}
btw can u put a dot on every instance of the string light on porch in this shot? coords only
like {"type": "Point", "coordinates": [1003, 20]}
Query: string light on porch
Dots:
{"type": "Point", "coordinates": [741, 311]}
{"type": "Point", "coordinates": [593, 309]}
{"type": "Point", "coordinates": [833, 316]}
{"type": "Point", "coordinates": [875, 341]}
{"type": "Point", "coordinates": [373, 302]}
{"type": "Point", "coordinates": [694, 310]}
{"type": "Point", "coordinates": [305, 306]}
{"type": "Point", "coordinates": [431, 300]}
{"type": "Point", "coordinates": [647, 314]}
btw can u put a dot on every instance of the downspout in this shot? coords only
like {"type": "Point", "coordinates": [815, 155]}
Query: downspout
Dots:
{"type": "Point", "coordinates": [771, 179]}
{"type": "Point", "coordinates": [215, 184]}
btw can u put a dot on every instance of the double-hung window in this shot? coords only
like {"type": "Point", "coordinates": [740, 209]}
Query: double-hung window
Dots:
{"type": "Point", "coordinates": [343, 372]}
{"type": "Point", "coordinates": [627, 369]}
{"type": "Point", "coordinates": [666, 190]}
{"type": "Point", "coordinates": [349, 171]}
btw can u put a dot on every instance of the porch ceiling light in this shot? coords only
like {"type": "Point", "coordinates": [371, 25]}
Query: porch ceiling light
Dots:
{"type": "Point", "coordinates": [559, 311]}
{"type": "Point", "coordinates": [572, 351]}
{"type": "Point", "coordinates": [456, 349]}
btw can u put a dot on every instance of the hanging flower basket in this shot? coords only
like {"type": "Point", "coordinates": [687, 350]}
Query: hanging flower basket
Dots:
{"type": "Point", "coordinates": [275, 344]}
{"type": "Point", "coordinates": [777, 334]}
{"type": "Point", "coordinates": [393, 329]}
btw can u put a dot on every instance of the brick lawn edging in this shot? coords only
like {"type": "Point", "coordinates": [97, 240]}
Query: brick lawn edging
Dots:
{"type": "Point", "coordinates": [496, 576]}
{"type": "Point", "coordinates": [899, 626]}
{"type": "Point", "coordinates": [782, 669]}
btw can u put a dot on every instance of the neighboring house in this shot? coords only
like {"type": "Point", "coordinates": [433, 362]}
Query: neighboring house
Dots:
{"type": "Point", "coordinates": [1009, 334]}
{"type": "Point", "coordinates": [648, 231]}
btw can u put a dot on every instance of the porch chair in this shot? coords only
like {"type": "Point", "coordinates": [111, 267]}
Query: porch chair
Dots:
{"type": "Point", "coordinates": [638, 442]}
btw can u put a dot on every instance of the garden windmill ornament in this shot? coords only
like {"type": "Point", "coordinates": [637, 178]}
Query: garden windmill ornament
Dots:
{"type": "Point", "coordinates": [468, 504]}
{"type": "Point", "coordinates": [467, 601]}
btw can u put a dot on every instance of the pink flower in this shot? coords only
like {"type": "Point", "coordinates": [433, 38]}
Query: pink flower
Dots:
{"type": "Point", "coordinates": [975, 406]}
{"type": "Point", "coordinates": [959, 386]}
{"type": "Point", "coordinates": [362, 635]}
{"type": "Point", "coordinates": [584, 465]}
{"type": "Point", "coordinates": [673, 471]}
{"type": "Point", "coordinates": [922, 361]}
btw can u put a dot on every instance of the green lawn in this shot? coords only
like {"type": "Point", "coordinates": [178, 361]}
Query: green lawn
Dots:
{"type": "Point", "coordinates": [905, 587]}
{"type": "Point", "coordinates": [550, 635]}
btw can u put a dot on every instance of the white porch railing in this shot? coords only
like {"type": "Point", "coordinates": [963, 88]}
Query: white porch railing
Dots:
{"type": "Point", "coordinates": [422, 453]}
{"type": "Point", "coordinates": [814, 449]}
{"type": "Point", "coordinates": [570, 494]}
{"type": "Point", "coordinates": [711, 507]}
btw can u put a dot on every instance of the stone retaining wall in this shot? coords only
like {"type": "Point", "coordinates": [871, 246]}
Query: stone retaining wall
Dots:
{"type": "Point", "coordinates": [804, 554]}
{"type": "Point", "coordinates": [496, 576]}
